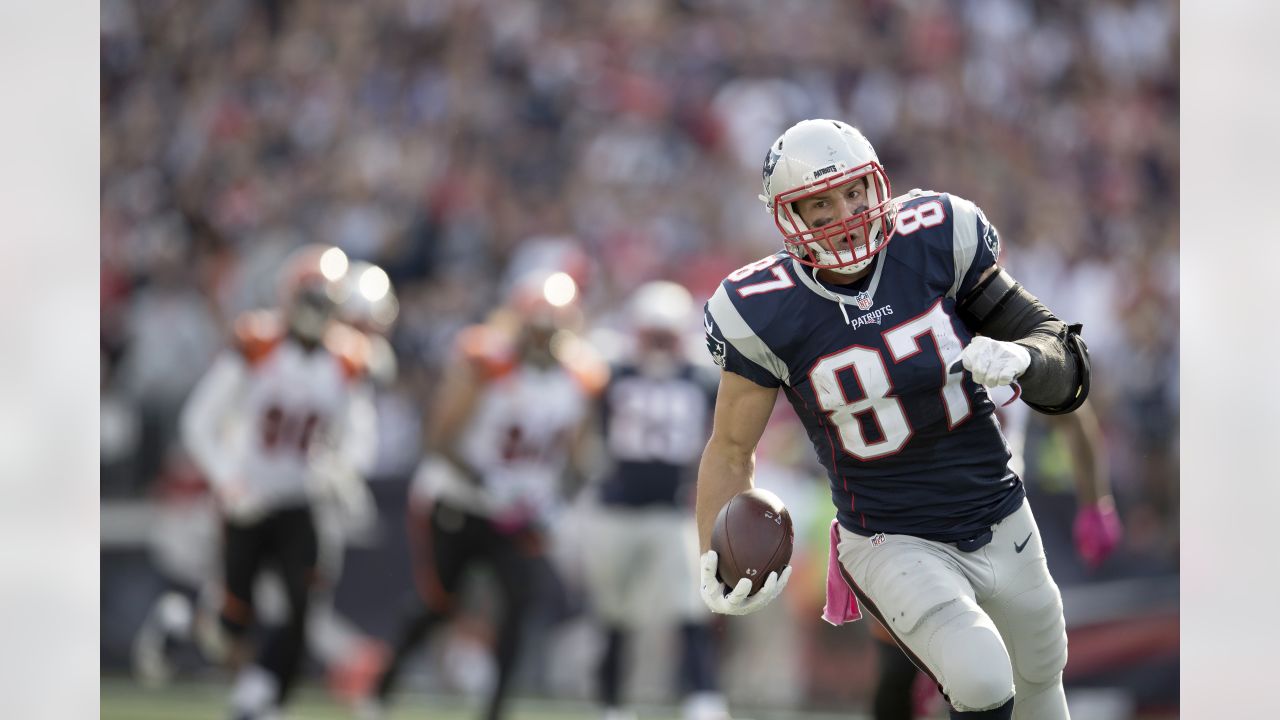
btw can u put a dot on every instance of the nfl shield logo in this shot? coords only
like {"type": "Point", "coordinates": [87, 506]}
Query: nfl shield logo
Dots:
{"type": "Point", "coordinates": [878, 539]}
{"type": "Point", "coordinates": [863, 301]}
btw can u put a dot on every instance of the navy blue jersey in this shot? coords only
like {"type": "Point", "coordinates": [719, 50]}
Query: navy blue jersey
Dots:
{"type": "Point", "coordinates": [655, 429]}
{"type": "Point", "coordinates": [909, 447]}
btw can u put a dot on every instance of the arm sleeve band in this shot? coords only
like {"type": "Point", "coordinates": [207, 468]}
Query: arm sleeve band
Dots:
{"type": "Point", "coordinates": [1057, 381]}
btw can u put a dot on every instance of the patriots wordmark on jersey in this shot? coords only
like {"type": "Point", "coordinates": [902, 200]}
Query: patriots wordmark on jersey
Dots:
{"type": "Point", "coordinates": [909, 446]}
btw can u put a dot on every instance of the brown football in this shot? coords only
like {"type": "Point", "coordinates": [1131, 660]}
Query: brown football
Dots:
{"type": "Point", "coordinates": [752, 537]}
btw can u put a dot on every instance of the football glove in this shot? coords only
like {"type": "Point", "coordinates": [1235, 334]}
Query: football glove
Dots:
{"type": "Point", "coordinates": [721, 600]}
{"type": "Point", "coordinates": [994, 362]}
{"type": "Point", "coordinates": [1097, 532]}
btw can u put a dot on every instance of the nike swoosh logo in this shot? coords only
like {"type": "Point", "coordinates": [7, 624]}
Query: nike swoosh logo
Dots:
{"type": "Point", "coordinates": [1017, 547]}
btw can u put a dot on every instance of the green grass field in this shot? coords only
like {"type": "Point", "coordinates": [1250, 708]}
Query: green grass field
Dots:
{"type": "Point", "coordinates": [124, 700]}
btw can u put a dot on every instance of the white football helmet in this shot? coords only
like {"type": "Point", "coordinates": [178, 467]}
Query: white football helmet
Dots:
{"type": "Point", "coordinates": [661, 314]}
{"type": "Point", "coordinates": [812, 157]}
{"type": "Point", "coordinates": [661, 305]}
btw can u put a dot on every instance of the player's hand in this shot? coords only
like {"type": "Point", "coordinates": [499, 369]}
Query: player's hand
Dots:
{"type": "Point", "coordinates": [1097, 532]}
{"type": "Point", "coordinates": [721, 600]}
{"type": "Point", "coordinates": [238, 503]}
{"type": "Point", "coordinates": [994, 362]}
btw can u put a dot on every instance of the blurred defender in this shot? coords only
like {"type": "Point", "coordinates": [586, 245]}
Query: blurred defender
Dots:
{"type": "Point", "coordinates": [642, 565]}
{"type": "Point", "coordinates": [282, 417]}
{"type": "Point", "coordinates": [507, 430]}
{"type": "Point", "coordinates": [185, 538]}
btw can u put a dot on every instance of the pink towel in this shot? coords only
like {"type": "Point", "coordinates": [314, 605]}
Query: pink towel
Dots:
{"type": "Point", "coordinates": [842, 605]}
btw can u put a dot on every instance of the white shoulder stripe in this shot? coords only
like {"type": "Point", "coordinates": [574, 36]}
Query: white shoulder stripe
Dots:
{"type": "Point", "coordinates": [743, 339]}
{"type": "Point", "coordinates": [964, 241]}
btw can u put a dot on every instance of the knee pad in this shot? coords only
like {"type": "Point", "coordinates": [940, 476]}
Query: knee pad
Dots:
{"type": "Point", "coordinates": [975, 665]}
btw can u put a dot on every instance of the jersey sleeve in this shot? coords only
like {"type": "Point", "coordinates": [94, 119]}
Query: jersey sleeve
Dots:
{"type": "Point", "coordinates": [211, 405]}
{"type": "Point", "coordinates": [352, 349]}
{"type": "Point", "coordinates": [485, 351]}
{"type": "Point", "coordinates": [585, 365]}
{"type": "Point", "coordinates": [975, 245]}
{"type": "Point", "coordinates": [735, 347]}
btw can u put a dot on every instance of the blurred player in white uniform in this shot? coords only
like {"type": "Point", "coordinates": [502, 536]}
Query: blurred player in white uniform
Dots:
{"type": "Point", "coordinates": [185, 542]}
{"type": "Point", "coordinates": [511, 418]}
{"type": "Point", "coordinates": [282, 417]}
{"type": "Point", "coordinates": [642, 563]}
{"type": "Point", "coordinates": [902, 692]}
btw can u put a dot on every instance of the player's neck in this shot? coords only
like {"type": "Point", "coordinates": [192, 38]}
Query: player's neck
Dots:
{"type": "Point", "coordinates": [835, 278]}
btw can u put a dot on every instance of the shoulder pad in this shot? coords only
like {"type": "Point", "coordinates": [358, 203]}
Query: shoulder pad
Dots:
{"type": "Point", "coordinates": [486, 350]}
{"type": "Point", "coordinates": [351, 347]}
{"type": "Point", "coordinates": [257, 333]}
{"type": "Point", "coordinates": [916, 193]}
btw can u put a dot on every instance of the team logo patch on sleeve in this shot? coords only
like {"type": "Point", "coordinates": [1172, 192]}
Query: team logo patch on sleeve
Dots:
{"type": "Point", "coordinates": [989, 234]}
{"type": "Point", "coordinates": [715, 345]}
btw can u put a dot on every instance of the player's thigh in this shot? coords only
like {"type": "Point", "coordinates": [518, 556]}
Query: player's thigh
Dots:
{"type": "Point", "coordinates": [1026, 605]}
{"type": "Point", "coordinates": [614, 566]}
{"type": "Point", "coordinates": [243, 551]}
{"type": "Point", "coordinates": [296, 550]}
{"type": "Point", "coordinates": [927, 602]}
{"type": "Point", "coordinates": [445, 542]}
{"type": "Point", "coordinates": [676, 575]}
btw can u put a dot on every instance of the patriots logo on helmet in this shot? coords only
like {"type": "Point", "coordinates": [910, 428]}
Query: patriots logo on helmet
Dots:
{"type": "Point", "coordinates": [770, 161]}
{"type": "Point", "coordinates": [863, 300]}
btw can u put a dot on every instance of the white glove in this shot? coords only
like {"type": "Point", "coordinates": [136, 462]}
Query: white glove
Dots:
{"type": "Point", "coordinates": [239, 504]}
{"type": "Point", "coordinates": [994, 362]}
{"type": "Point", "coordinates": [737, 602]}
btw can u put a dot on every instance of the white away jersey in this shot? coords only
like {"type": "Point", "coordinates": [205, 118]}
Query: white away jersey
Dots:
{"type": "Point", "coordinates": [271, 417]}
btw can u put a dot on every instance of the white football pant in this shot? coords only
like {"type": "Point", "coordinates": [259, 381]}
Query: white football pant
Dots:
{"type": "Point", "coordinates": [984, 624]}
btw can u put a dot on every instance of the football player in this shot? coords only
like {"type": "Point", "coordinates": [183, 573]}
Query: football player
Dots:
{"type": "Point", "coordinates": [508, 428]}
{"type": "Point", "coordinates": [280, 417]}
{"type": "Point", "coordinates": [885, 320]}
{"type": "Point", "coordinates": [343, 508]}
{"type": "Point", "coordinates": [656, 416]}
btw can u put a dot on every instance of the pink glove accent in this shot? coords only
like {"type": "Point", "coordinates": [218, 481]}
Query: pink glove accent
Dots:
{"type": "Point", "coordinates": [1097, 532]}
{"type": "Point", "coordinates": [842, 604]}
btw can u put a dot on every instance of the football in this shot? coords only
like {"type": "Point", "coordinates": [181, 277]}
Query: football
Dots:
{"type": "Point", "coordinates": [752, 537]}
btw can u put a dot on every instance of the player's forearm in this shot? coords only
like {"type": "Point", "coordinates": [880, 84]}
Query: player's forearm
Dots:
{"type": "Point", "coordinates": [199, 424]}
{"type": "Point", "coordinates": [447, 449]}
{"type": "Point", "coordinates": [1057, 379]}
{"type": "Point", "coordinates": [1088, 453]}
{"type": "Point", "coordinates": [724, 472]}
